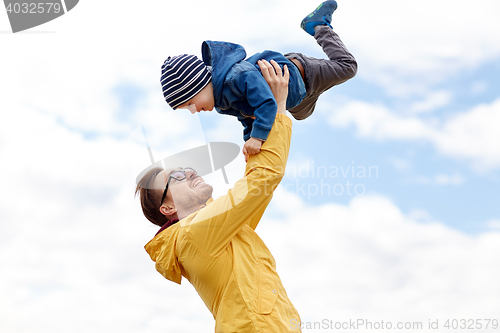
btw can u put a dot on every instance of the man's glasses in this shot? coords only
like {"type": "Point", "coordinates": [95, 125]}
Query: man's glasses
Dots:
{"type": "Point", "coordinates": [179, 176]}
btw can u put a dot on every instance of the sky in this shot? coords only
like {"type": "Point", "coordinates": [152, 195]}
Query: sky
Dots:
{"type": "Point", "coordinates": [389, 209]}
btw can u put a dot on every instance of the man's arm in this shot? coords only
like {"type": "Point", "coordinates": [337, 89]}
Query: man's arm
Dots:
{"type": "Point", "coordinates": [215, 225]}
{"type": "Point", "coordinates": [277, 88]}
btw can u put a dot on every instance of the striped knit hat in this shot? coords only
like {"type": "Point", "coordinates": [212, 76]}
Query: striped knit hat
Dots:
{"type": "Point", "coordinates": [182, 77]}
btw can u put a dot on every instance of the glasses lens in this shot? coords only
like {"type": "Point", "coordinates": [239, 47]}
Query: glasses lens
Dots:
{"type": "Point", "coordinates": [181, 175]}
{"type": "Point", "coordinates": [178, 175]}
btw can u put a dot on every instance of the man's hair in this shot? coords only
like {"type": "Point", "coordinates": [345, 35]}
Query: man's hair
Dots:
{"type": "Point", "coordinates": [150, 197]}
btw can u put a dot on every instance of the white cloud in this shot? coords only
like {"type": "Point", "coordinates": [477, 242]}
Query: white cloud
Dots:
{"type": "Point", "coordinates": [72, 236]}
{"type": "Point", "coordinates": [441, 179]}
{"type": "Point", "coordinates": [378, 122]}
{"type": "Point", "coordinates": [366, 259]}
{"type": "Point", "coordinates": [472, 135]}
{"type": "Point", "coordinates": [478, 87]}
{"type": "Point", "coordinates": [432, 101]}
{"type": "Point", "coordinates": [68, 257]}
{"type": "Point", "coordinates": [404, 46]}
{"type": "Point", "coordinates": [409, 46]}
{"type": "Point", "coordinates": [370, 260]}
{"type": "Point", "coordinates": [493, 224]}
{"type": "Point", "coordinates": [400, 164]}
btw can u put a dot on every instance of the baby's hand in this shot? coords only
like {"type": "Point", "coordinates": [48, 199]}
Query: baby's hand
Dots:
{"type": "Point", "coordinates": [252, 146]}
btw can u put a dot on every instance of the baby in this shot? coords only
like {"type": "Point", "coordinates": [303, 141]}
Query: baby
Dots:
{"type": "Point", "coordinates": [235, 86]}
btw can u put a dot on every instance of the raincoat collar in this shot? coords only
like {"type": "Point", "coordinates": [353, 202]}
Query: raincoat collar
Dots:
{"type": "Point", "coordinates": [175, 220]}
{"type": "Point", "coordinates": [167, 224]}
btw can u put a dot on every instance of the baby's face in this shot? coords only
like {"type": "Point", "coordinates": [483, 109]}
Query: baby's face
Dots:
{"type": "Point", "coordinates": [203, 101]}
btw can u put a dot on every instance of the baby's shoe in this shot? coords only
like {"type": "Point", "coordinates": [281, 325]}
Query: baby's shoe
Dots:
{"type": "Point", "coordinates": [321, 16]}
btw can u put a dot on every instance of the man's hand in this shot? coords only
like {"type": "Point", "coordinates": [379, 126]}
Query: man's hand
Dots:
{"type": "Point", "coordinates": [278, 81]}
{"type": "Point", "coordinates": [251, 147]}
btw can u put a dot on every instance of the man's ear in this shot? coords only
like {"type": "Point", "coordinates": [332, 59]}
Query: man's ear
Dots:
{"type": "Point", "coordinates": [168, 210]}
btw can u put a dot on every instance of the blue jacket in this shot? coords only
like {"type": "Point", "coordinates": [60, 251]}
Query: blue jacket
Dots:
{"type": "Point", "coordinates": [240, 90]}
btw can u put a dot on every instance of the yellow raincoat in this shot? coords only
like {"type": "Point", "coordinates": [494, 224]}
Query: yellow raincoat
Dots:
{"type": "Point", "coordinates": [218, 251]}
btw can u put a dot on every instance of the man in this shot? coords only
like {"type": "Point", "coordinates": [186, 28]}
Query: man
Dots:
{"type": "Point", "coordinates": [212, 243]}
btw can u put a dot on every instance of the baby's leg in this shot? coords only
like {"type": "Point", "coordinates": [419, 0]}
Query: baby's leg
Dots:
{"type": "Point", "coordinates": [321, 74]}
{"type": "Point", "coordinates": [341, 65]}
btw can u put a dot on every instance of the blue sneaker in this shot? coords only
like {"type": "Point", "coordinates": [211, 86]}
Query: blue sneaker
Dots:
{"type": "Point", "coordinates": [321, 16]}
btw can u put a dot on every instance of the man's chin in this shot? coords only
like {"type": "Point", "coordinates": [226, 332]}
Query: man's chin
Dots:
{"type": "Point", "coordinates": [208, 188]}
{"type": "Point", "coordinates": [208, 192]}
{"type": "Point", "coordinates": [204, 188]}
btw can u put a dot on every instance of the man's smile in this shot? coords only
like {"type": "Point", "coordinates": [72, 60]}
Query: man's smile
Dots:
{"type": "Point", "coordinates": [197, 181]}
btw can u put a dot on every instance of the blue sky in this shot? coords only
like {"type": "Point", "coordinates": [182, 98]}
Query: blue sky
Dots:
{"type": "Point", "coordinates": [408, 170]}
{"type": "Point", "coordinates": [420, 240]}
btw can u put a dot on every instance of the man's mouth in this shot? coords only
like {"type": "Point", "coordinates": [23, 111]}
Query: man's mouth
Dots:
{"type": "Point", "coordinates": [197, 181]}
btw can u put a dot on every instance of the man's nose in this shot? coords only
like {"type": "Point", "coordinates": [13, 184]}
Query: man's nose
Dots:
{"type": "Point", "coordinates": [190, 174]}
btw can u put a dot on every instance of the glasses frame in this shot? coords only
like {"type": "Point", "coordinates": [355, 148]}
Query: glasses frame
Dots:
{"type": "Point", "coordinates": [183, 171]}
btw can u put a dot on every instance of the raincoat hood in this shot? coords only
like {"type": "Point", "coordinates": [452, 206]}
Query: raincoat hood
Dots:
{"type": "Point", "coordinates": [162, 249]}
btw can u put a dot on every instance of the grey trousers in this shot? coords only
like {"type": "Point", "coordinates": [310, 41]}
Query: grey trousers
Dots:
{"type": "Point", "coordinates": [321, 74]}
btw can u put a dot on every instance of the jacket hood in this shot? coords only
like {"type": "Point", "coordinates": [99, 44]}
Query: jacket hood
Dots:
{"type": "Point", "coordinates": [221, 56]}
{"type": "Point", "coordinates": [162, 249]}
